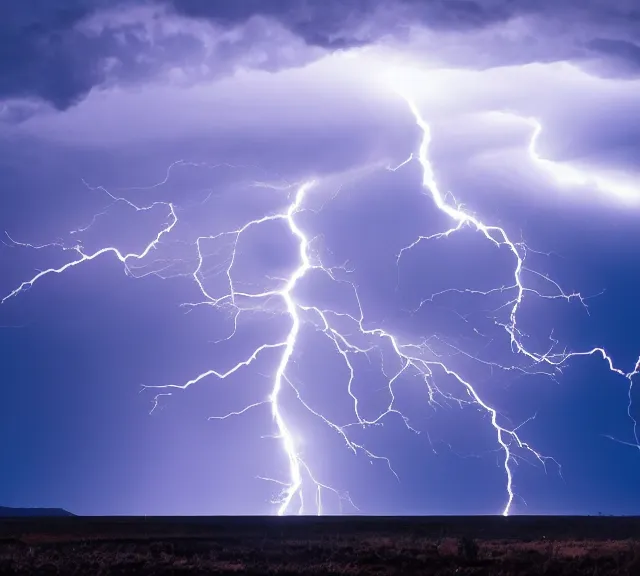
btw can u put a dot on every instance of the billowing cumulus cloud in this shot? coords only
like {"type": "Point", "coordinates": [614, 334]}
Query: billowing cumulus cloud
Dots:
{"type": "Point", "coordinates": [58, 53]}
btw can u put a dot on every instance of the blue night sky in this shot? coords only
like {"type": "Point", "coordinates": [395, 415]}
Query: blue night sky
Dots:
{"type": "Point", "coordinates": [287, 343]}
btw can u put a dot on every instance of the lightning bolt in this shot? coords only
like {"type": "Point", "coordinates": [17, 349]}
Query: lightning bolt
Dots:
{"type": "Point", "coordinates": [613, 184]}
{"type": "Point", "coordinates": [398, 357]}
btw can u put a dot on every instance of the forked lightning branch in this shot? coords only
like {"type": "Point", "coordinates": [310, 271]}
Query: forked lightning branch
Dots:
{"type": "Point", "coordinates": [411, 358]}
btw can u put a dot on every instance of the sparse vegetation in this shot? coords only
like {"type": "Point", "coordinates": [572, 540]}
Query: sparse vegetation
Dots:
{"type": "Point", "coordinates": [468, 549]}
{"type": "Point", "coordinates": [362, 546]}
{"type": "Point", "coordinates": [368, 555]}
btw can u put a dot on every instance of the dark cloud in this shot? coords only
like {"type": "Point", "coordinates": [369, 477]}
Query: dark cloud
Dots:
{"type": "Point", "coordinates": [325, 23]}
{"type": "Point", "coordinates": [44, 52]}
{"type": "Point", "coordinates": [47, 53]}
{"type": "Point", "coordinates": [624, 55]}
{"type": "Point", "coordinates": [322, 22]}
{"type": "Point", "coordinates": [37, 55]}
{"type": "Point", "coordinates": [459, 14]}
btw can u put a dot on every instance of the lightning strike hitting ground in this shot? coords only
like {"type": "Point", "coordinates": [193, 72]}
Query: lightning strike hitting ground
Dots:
{"type": "Point", "coordinates": [416, 358]}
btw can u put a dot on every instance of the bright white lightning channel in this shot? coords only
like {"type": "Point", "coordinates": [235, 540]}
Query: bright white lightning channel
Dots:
{"type": "Point", "coordinates": [412, 357]}
{"type": "Point", "coordinates": [619, 186]}
{"type": "Point", "coordinates": [614, 184]}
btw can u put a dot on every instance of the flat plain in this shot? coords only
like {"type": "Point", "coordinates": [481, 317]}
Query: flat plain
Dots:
{"type": "Point", "coordinates": [519, 545]}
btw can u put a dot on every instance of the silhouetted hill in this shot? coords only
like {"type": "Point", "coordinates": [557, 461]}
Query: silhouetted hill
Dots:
{"type": "Point", "coordinates": [6, 512]}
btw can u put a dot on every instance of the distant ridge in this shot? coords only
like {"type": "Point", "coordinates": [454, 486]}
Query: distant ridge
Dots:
{"type": "Point", "coordinates": [6, 512]}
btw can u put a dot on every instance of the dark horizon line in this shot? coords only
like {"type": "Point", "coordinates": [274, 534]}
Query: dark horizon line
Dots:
{"type": "Point", "coordinates": [21, 511]}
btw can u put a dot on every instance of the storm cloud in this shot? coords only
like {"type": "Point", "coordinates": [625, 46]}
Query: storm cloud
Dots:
{"type": "Point", "coordinates": [58, 54]}
{"type": "Point", "coordinates": [54, 53]}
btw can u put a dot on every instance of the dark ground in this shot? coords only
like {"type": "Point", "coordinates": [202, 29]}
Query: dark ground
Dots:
{"type": "Point", "coordinates": [331, 545]}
